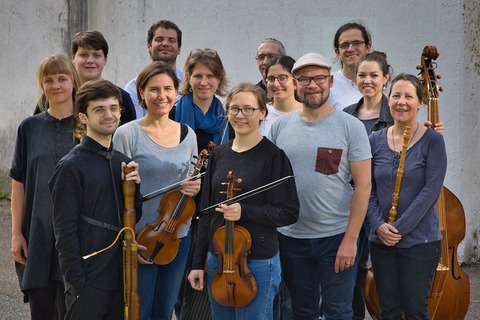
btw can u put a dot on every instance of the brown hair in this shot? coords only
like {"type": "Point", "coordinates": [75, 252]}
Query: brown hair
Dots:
{"type": "Point", "coordinates": [252, 88]}
{"type": "Point", "coordinates": [421, 95]}
{"type": "Point", "coordinates": [94, 90]}
{"type": "Point", "coordinates": [212, 61]}
{"type": "Point", "coordinates": [153, 69]}
{"type": "Point", "coordinates": [55, 64]}
{"type": "Point", "coordinates": [165, 24]}
{"type": "Point", "coordinates": [89, 38]}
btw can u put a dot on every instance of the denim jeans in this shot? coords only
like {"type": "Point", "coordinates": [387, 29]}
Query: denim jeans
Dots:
{"type": "Point", "coordinates": [267, 275]}
{"type": "Point", "coordinates": [358, 303]}
{"type": "Point", "coordinates": [158, 286]}
{"type": "Point", "coordinates": [308, 262]}
{"type": "Point", "coordinates": [403, 277]}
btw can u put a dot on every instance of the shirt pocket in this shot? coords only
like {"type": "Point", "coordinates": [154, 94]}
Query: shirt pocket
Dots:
{"type": "Point", "coordinates": [328, 160]}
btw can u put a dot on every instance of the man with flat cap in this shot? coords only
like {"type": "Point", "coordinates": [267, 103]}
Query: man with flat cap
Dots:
{"type": "Point", "coordinates": [327, 149]}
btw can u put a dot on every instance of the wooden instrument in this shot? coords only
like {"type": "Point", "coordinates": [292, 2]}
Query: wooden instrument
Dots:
{"type": "Point", "coordinates": [450, 291]}
{"type": "Point", "coordinates": [233, 284]}
{"type": "Point", "coordinates": [130, 249]}
{"type": "Point", "coordinates": [175, 209]}
{"type": "Point", "coordinates": [398, 182]}
{"type": "Point", "coordinates": [371, 298]}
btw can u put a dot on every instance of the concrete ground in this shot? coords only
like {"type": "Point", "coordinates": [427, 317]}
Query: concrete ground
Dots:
{"type": "Point", "coordinates": [13, 308]}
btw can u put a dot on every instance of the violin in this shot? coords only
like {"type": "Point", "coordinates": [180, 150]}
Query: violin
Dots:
{"type": "Point", "coordinates": [175, 208]}
{"type": "Point", "coordinates": [233, 284]}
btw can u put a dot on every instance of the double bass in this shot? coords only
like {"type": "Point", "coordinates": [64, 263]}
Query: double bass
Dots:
{"type": "Point", "coordinates": [449, 295]}
{"type": "Point", "coordinates": [233, 284]}
{"type": "Point", "coordinates": [450, 290]}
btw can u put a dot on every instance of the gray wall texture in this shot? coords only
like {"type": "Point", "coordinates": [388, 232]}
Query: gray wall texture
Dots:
{"type": "Point", "coordinates": [32, 30]}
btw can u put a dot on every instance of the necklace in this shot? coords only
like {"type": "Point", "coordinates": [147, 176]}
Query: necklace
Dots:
{"type": "Point", "coordinates": [411, 138]}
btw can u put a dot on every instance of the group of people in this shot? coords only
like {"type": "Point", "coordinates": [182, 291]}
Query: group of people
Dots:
{"type": "Point", "coordinates": [333, 139]}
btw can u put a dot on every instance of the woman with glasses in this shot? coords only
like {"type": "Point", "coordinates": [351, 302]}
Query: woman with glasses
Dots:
{"type": "Point", "coordinates": [281, 86]}
{"type": "Point", "coordinates": [198, 107]}
{"type": "Point", "coordinates": [163, 150]}
{"type": "Point", "coordinates": [42, 140]}
{"type": "Point", "coordinates": [256, 161]}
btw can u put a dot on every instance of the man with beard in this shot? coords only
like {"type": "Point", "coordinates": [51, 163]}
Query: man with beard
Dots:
{"type": "Point", "coordinates": [86, 190]}
{"type": "Point", "coordinates": [327, 148]}
{"type": "Point", "coordinates": [164, 43]}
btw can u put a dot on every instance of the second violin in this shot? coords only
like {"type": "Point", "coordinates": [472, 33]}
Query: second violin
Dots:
{"type": "Point", "coordinates": [176, 209]}
{"type": "Point", "coordinates": [233, 284]}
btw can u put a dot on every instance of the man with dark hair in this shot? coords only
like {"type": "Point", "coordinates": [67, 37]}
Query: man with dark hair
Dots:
{"type": "Point", "coordinates": [164, 43]}
{"type": "Point", "coordinates": [352, 41]}
{"type": "Point", "coordinates": [86, 190]}
{"type": "Point", "coordinates": [89, 55]}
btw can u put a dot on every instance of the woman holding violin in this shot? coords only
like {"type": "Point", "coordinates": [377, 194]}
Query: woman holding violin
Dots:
{"type": "Point", "coordinates": [256, 162]}
{"type": "Point", "coordinates": [405, 251]}
{"type": "Point", "coordinates": [163, 149]}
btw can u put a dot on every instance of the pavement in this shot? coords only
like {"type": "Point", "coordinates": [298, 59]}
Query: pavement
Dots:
{"type": "Point", "coordinates": [11, 298]}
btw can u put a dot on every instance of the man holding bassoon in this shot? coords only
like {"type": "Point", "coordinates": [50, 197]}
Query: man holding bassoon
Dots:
{"type": "Point", "coordinates": [87, 196]}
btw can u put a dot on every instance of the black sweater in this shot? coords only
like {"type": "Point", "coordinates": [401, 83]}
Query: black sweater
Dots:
{"type": "Point", "coordinates": [261, 213]}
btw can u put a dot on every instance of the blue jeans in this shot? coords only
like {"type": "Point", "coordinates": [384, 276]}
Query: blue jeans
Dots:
{"type": "Point", "coordinates": [308, 262]}
{"type": "Point", "coordinates": [158, 286]}
{"type": "Point", "coordinates": [267, 275]}
{"type": "Point", "coordinates": [358, 303]}
{"type": "Point", "coordinates": [403, 277]}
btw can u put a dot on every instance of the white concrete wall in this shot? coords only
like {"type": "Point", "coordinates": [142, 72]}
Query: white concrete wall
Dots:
{"type": "Point", "coordinates": [34, 29]}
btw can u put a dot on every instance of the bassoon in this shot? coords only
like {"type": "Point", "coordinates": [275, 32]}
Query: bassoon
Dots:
{"type": "Point", "coordinates": [130, 250]}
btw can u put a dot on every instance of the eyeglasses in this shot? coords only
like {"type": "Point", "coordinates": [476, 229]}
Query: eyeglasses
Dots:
{"type": "Point", "coordinates": [200, 52]}
{"type": "Point", "coordinates": [102, 111]}
{"type": "Point", "coordinates": [281, 78]}
{"type": "Point", "coordinates": [247, 111]}
{"type": "Point", "coordinates": [319, 80]}
{"type": "Point", "coordinates": [346, 45]}
{"type": "Point", "coordinates": [269, 56]}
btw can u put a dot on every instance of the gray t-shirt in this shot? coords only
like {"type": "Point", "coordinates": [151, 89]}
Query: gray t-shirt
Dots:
{"type": "Point", "coordinates": [158, 166]}
{"type": "Point", "coordinates": [320, 153]}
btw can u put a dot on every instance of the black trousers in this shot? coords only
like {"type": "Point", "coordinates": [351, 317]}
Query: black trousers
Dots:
{"type": "Point", "coordinates": [93, 303]}
{"type": "Point", "coordinates": [47, 302]}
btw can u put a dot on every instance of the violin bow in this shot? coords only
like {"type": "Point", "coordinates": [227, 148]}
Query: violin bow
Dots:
{"type": "Point", "coordinates": [160, 191]}
{"type": "Point", "coordinates": [248, 194]}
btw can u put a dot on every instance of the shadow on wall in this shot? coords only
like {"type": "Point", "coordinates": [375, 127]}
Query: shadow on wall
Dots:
{"type": "Point", "coordinates": [5, 185]}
